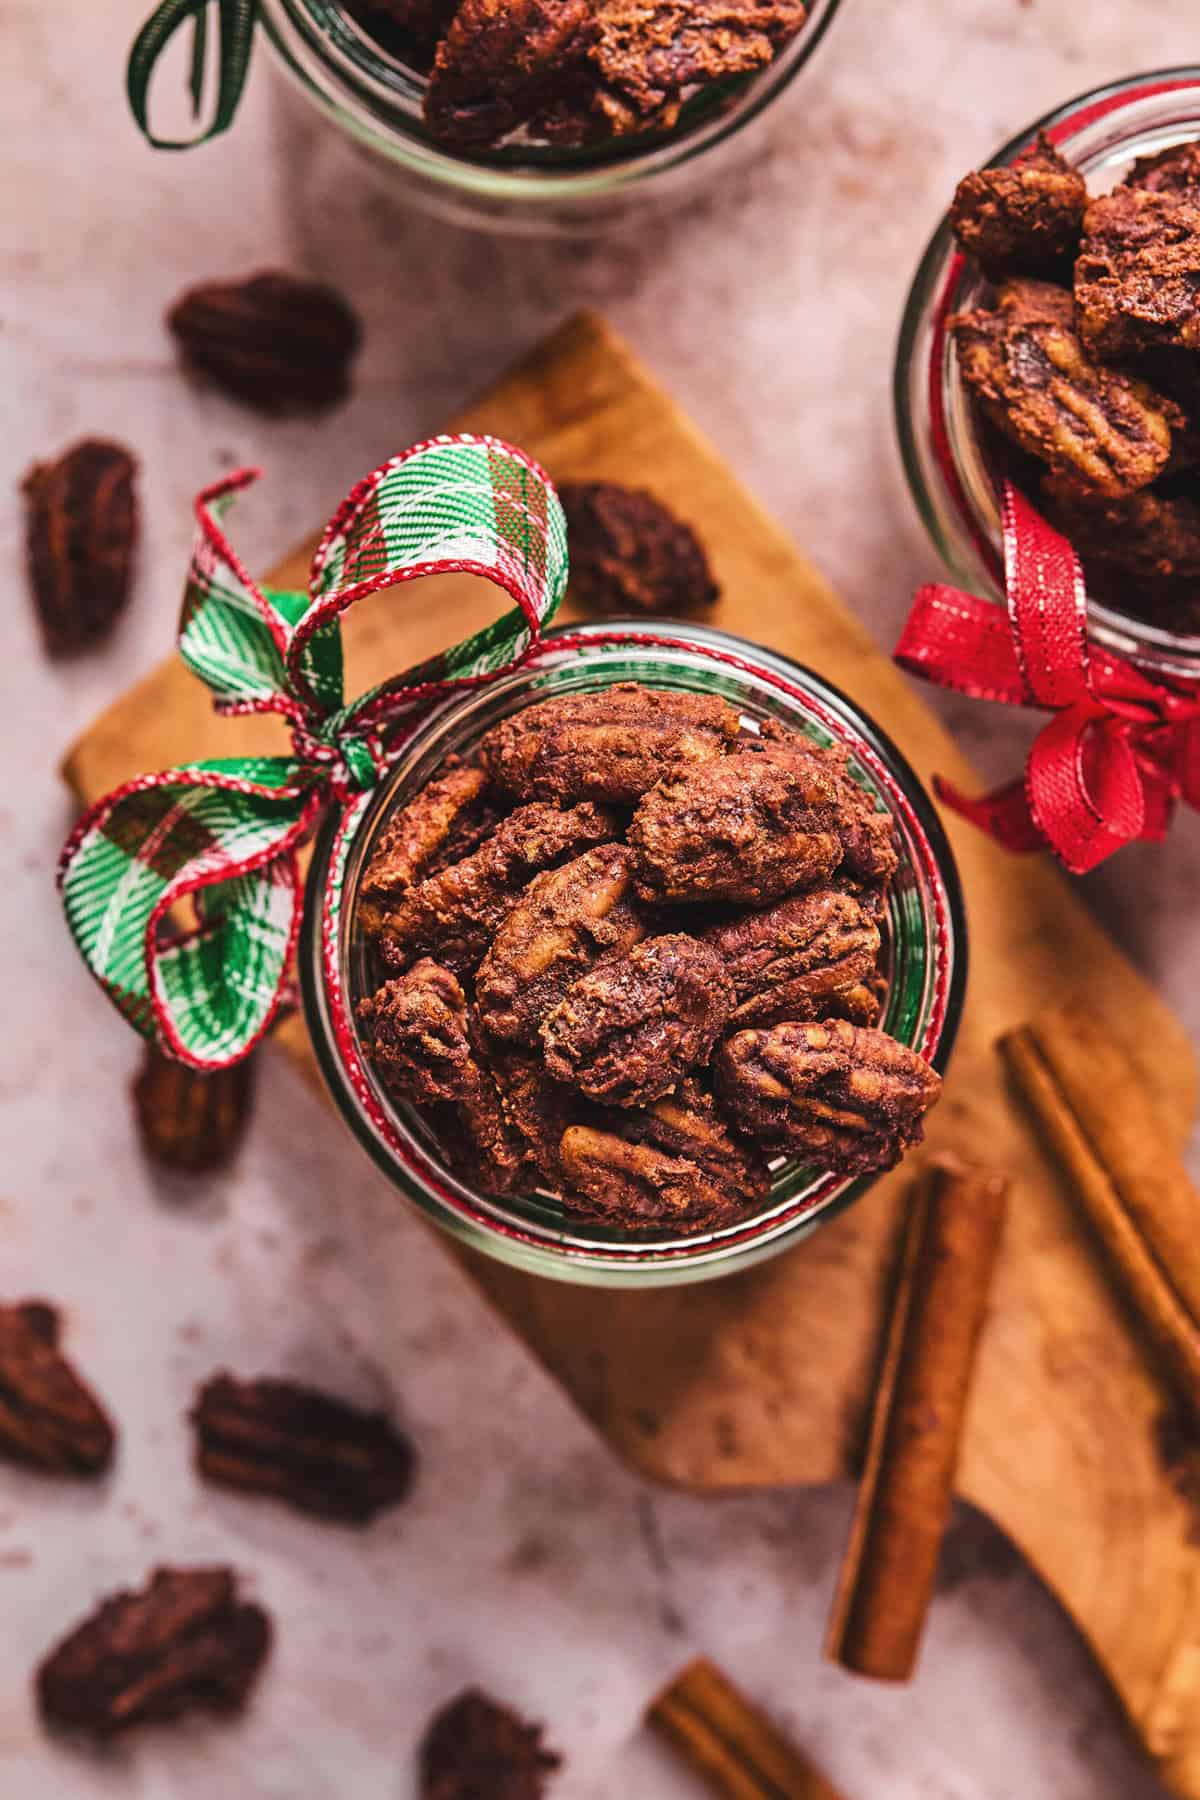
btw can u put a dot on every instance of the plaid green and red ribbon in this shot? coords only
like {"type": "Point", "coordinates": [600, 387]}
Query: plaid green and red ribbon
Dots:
{"type": "Point", "coordinates": [224, 834]}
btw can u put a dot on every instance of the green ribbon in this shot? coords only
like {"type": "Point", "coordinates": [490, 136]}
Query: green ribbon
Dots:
{"type": "Point", "coordinates": [236, 20]}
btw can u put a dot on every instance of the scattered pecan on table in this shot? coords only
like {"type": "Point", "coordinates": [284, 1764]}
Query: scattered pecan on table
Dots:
{"type": "Point", "coordinates": [188, 1119]}
{"type": "Point", "coordinates": [81, 531]}
{"type": "Point", "coordinates": [630, 554]}
{"type": "Point", "coordinates": [311, 1450]}
{"type": "Point", "coordinates": [476, 1749]}
{"type": "Point", "coordinates": [185, 1642]}
{"type": "Point", "coordinates": [48, 1418]}
{"type": "Point", "coordinates": [278, 344]}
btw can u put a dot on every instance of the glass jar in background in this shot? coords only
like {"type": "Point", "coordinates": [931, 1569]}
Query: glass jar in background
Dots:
{"type": "Point", "coordinates": [951, 480]}
{"type": "Point", "coordinates": [924, 936]}
{"type": "Point", "coordinates": [376, 99]}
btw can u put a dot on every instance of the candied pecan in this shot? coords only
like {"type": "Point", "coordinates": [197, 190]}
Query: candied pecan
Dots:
{"type": "Point", "coordinates": [843, 1096]}
{"type": "Point", "coordinates": [648, 53]}
{"type": "Point", "coordinates": [454, 914]}
{"type": "Point", "coordinates": [308, 1449]}
{"type": "Point", "coordinates": [1147, 538]}
{"type": "Point", "coordinates": [1137, 277]}
{"type": "Point", "coordinates": [798, 959]}
{"type": "Point", "coordinates": [476, 1749]}
{"type": "Point", "coordinates": [81, 527]}
{"type": "Point", "coordinates": [672, 1168]}
{"type": "Point", "coordinates": [185, 1641]}
{"type": "Point", "coordinates": [1107, 432]}
{"type": "Point", "coordinates": [414, 835]}
{"type": "Point", "coordinates": [610, 746]}
{"type": "Point", "coordinates": [567, 919]}
{"type": "Point", "coordinates": [866, 833]}
{"type": "Point", "coordinates": [500, 62]}
{"type": "Point", "coordinates": [189, 1120]}
{"type": "Point", "coordinates": [1173, 171]}
{"type": "Point", "coordinates": [751, 828]}
{"type": "Point", "coordinates": [48, 1418]}
{"type": "Point", "coordinates": [630, 554]}
{"type": "Point", "coordinates": [1025, 219]}
{"type": "Point", "coordinates": [276, 343]}
{"type": "Point", "coordinates": [419, 1038]}
{"type": "Point", "coordinates": [631, 1027]}
{"type": "Point", "coordinates": [537, 1109]}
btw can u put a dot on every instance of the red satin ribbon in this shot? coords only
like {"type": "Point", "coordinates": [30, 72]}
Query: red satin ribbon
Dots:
{"type": "Point", "coordinates": [1120, 749]}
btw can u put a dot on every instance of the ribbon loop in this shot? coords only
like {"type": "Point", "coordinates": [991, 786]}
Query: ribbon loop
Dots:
{"type": "Point", "coordinates": [236, 20]}
{"type": "Point", "coordinates": [182, 890]}
{"type": "Point", "coordinates": [1121, 748]}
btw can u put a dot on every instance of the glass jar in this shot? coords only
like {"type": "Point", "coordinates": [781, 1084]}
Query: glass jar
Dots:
{"type": "Point", "coordinates": [924, 936]}
{"type": "Point", "coordinates": [376, 98]}
{"type": "Point", "coordinates": [952, 482]}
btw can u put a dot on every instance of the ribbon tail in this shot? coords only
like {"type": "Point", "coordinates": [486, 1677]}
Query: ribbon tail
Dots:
{"type": "Point", "coordinates": [183, 893]}
{"type": "Point", "coordinates": [1003, 814]}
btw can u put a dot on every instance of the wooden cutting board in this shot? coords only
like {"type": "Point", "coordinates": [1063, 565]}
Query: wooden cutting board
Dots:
{"type": "Point", "coordinates": [764, 1378]}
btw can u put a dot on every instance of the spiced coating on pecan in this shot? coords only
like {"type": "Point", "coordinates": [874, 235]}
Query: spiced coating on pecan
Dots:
{"type": "Point", "coordinates": [1137, 277]}
{"type": "Point", "coordinates": [81, 536]}
{"type": "Point", "coordinates": [630, 1028]}
{"type": "Point", "coordinates": [414, 835]}
{"type": "Point", "coordinates": [631, 554]}
{"type": "Point", "coordinates": [420, 1040]}
{"type": "Point", "coordinates": [537, 1110]}
{"type": "Point", "coordinates": [844, 1097]}
{"type": "Point", "coordinates": [453, 915]}
{"type": "Point", "coordinates": [801, 959]}
{"type": "Point", "coordinates": [189, 1120]}
{"type": "Point", "coordinates": [476, 1749]}
{"type": "Point", "coordinates": [1148, 539]}
{"type": "Point", "coordinates": [49, 1418]}
{"type": "Point", "coordinates": [1173, 171]}
{"type": "Point", "coordinates": [1025, 219]}
{"type": "Point", "coordinates": [752, 828]}
{"type": "Point", "coordinates": [567, 920]}
{"type": "Point", "coordinates": [648, 53]}
{"type": "Point", "coordinates": [276, 343]}
{"type": "Point", "coordinates": [1026, 364]}
{"type": "Point", "coordinates": [311, 1450]}
{"type": "Point", "coordinates": [867, 834]}
{"type": "Point", "coordinates": [186, 1642]}
{"type": "Point", "coordinates": [500, 62]}
{"type": "Point", "coordinates": [672, 1169]}
{"type": "Point", "coordinates": [608, 746]}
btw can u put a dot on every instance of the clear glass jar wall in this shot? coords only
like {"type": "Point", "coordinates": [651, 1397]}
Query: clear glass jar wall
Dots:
{"type": "Point", "coordinates": [376, 99]}
{"type": "Point", "coordinates": [925, 938]}
{"type": "Point", "coordinates": [952, 483]}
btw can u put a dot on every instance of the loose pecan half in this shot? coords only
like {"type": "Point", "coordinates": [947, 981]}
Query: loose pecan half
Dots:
{"type": "Point", "coordinates": [630, 1028]}
{"type": "Point", "coordinates": [81, 526]}
{"type": "Point", "coordinates": [308, 1449]}
{"type": "Point", "coordinates": [610, 746]}
{"type": "Point", "coordinates": [476, 1749]}
{"type": "Point", "coordinates": [189, 1120]}
{"type": "Point", "coordinates": [846, 1097]}
{"type": "Point", "coordinates": [184, 1642]}
{"type": "Point", "coordinates": [48, 1418]}
{"type": "Point", "coordinates": [631, 554]}
{"type": "Point", "coordinates": [278, 344]}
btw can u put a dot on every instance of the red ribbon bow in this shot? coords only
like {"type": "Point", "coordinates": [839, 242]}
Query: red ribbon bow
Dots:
{"type": "Point", "coordinates": [1121, 749]}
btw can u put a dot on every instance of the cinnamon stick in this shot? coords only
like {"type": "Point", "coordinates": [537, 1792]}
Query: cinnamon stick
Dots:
{"type": "Point", "coordinates": [1099, 1122]}
{"type": "Point", "coordinates": [727, 1740]}
{"type": "Point", "coordinates": [949, 1250]}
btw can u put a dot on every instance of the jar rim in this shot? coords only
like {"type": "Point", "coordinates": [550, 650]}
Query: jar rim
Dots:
{"type": "Point", "coordinates": [302, 38]}
{"type": "Point", "coordinates": [491, 1227]}
{"type": "Point", "coordinates": [923, 354]}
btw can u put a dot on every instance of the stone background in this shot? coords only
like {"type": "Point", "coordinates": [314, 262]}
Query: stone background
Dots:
{"type": "Point", "coordinates": [527, 1560]}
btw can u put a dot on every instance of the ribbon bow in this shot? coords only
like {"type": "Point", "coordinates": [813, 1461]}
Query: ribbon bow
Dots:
{"type": "Point", "coordinates": [1121, 749]}
{"type": "Point", "coordinates": [224, 834]}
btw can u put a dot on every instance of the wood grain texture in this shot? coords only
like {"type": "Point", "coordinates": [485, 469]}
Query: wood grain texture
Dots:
{"type": "Point", "coordinates": [764, 1378]}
